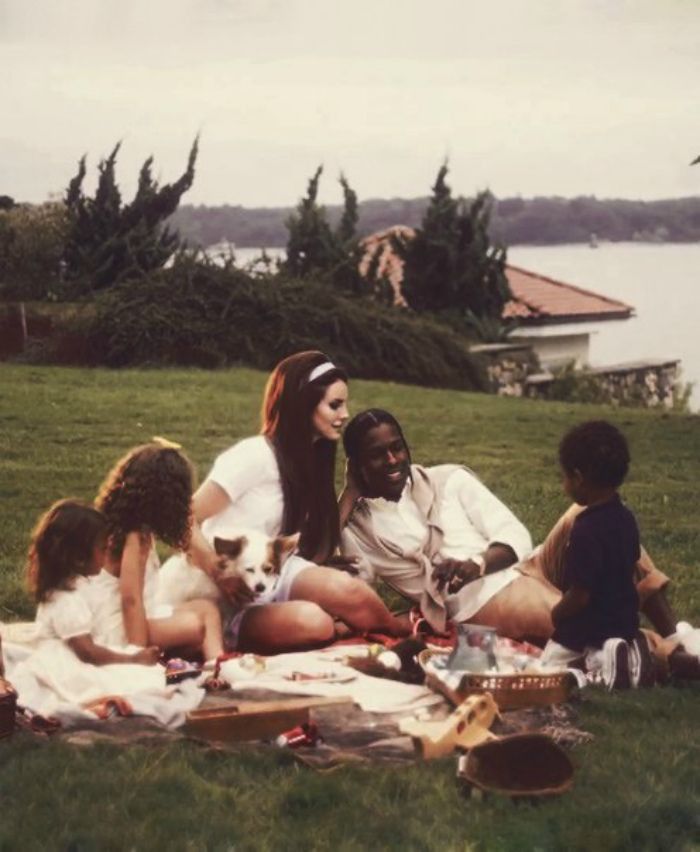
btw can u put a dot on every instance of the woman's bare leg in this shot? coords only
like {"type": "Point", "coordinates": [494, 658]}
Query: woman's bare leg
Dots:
{"type": "Point", "coordinates": [348, 599]}
{"type": "Point", "coordinates": [291, 626]}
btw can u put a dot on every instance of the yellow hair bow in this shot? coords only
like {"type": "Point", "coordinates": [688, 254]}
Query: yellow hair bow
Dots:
{"type": "Point", "coordinates": [165, 443]}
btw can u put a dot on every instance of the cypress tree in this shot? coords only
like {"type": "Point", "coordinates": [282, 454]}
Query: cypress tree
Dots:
{"type": "Point", "coordinates": [450, 264]}
{"type": "Point", "coordinates": [109, 242]}
{"type": "Point", "coordinates": [315, 249]}
{"type": "Point", "coordinates": [310, 242]}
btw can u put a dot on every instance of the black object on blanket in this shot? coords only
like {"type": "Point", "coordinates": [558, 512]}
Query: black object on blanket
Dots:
{"type": "Point", "coordinates": [8, 706]}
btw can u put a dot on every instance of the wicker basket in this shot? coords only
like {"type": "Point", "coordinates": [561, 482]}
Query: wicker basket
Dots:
{"type": "Point", "coordinates": [509, 691]}
{"type": "Point", "coordinates": [8, 707]}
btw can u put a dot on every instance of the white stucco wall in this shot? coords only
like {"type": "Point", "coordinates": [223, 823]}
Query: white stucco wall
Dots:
{"type": "Point", "coordinates": [557, 350]}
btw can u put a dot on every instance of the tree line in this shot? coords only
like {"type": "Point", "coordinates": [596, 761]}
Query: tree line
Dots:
{"type": "Point", "coordinates": [154, 298]}
{"type": "Point", "coordinates": [515, 221]}
{"type": "Point", "coordinates": [139, 290]}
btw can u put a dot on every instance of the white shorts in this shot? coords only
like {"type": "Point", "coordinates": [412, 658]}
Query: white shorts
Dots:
{"type": "Point", "coordinates": [291, 569]}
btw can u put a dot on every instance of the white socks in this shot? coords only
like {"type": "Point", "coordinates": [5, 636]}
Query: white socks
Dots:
{"type": "Point", "coordinates": [688, 636]}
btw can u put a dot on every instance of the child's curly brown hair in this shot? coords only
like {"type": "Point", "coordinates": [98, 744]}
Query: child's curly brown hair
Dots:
{"type": "Point", "coordinates": [149, 490]}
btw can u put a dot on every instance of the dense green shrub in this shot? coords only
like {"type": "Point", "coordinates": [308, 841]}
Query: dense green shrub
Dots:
{"type": "Point", "coordinates": [32, 239]}
{"type": "Point", "coordinates": [196, 313]}
{"type": "Point", "coordinates": [574, 385]}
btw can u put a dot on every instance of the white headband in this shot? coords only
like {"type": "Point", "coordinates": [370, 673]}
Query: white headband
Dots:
{"type": "Point", "coordinates": [320, 370]}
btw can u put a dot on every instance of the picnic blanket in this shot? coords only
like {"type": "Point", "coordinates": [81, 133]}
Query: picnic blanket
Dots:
{"type": "Point", "coordinates": [349, 735]}
{"type": "Point", "coordinates": [326, 673]}
{"type": "Point", "coordinates": [363, 730]}
{"type": "Point", "coordinates": [52, 682]}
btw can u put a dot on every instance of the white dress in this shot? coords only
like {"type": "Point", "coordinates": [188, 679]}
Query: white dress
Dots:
{"type": "Point", "coordinates": [106, 602]}
{"type": "Point", "coordinates": [52, 680]}
{"type": "Point", "coordinates": [66, 614]}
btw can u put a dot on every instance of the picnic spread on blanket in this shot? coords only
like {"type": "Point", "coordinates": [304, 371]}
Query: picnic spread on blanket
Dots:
{"type": "Point", "coordinates": [324, 704]}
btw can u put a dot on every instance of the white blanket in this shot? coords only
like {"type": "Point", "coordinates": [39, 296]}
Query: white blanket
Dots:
{"type": "Point", "coordinates": [375, 695]}
{"type": "Point", "coordinates": [52, 681]}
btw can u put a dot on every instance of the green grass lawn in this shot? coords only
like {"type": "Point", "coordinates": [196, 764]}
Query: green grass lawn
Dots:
{"type": "Point", "coordinates": [637, 785]}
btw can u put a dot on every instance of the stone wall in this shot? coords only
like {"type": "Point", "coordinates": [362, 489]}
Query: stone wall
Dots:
{"type": "Point", "coordinates": [649, 384]}
{"type": "Point", "coordinates": [507, 366]}
{"type": "Point", "coordinates": [514, 370]}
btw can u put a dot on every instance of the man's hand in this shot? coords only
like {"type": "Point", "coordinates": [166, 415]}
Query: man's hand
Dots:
{"type": "Point", "coordinates": [349, 564]}
{"type": "Point", "coordinates": [454, 574]}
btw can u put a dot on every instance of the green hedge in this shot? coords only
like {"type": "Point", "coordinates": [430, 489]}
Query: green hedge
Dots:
{"type": "Point", "coordinates": [199, 314]}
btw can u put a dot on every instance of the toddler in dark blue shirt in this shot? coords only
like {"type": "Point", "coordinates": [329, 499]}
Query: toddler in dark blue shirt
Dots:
{"type": "Point", "coordinates": [597, 619]}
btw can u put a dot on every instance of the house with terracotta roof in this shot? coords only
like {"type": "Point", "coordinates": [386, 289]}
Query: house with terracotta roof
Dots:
{"type": "Point", "coordinates": [555, 319]}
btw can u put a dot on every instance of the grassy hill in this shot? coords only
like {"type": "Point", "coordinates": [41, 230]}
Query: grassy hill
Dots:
{"type": "Point", "coordinates": [636, 784]}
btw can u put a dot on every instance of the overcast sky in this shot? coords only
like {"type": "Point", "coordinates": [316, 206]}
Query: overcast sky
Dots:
{"type": "Point", "coordinates": [528, 97]}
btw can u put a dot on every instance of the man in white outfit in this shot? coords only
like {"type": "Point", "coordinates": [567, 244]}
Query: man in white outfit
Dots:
{"type": "Point", "coordinates": [440, 538]}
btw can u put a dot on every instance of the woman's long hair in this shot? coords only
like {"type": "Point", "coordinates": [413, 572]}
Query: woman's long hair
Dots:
{"type": "Point", "coordinates": [306, 463]}
{"type": "Point", "coordinates": [148, 490]}
{"type": "Point", "coordinates": [62, 546]}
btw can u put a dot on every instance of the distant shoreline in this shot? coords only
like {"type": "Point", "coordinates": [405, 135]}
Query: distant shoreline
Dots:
{"type": "Point", "coordinates": [600, 244]}
{"type": "Point", "coordinates": [515, 221]}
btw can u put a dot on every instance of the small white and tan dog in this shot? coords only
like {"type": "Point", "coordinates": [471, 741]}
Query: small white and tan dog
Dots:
{"type": "Point", "coordinates": [248, 554]}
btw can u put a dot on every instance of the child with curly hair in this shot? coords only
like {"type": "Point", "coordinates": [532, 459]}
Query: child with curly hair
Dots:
{"type": "Point", "coordinates": [147, 495]}
{"type": "Point", "coordinates": [67, 546]}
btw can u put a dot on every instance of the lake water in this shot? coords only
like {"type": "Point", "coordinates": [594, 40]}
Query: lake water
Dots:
{"type": "Point", "coordinates": [661, 282]}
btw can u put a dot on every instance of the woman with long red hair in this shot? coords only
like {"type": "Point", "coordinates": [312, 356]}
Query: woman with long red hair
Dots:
{"type": "Point", "coordinates": [282, 482]}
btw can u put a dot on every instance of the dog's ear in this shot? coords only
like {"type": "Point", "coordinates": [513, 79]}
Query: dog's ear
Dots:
{"type": "Point", "coordinates": [283, 546]}
{"type": "Point", "coordinates": [230, 547]}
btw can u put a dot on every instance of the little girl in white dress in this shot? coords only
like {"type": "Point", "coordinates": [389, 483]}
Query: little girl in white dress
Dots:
{"type": "Point", "coordinates": [70, 670]}
{"type": "Point", "coordinates": [68, 546]}
{"type": "Point", "coordinates": [147, 496]}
